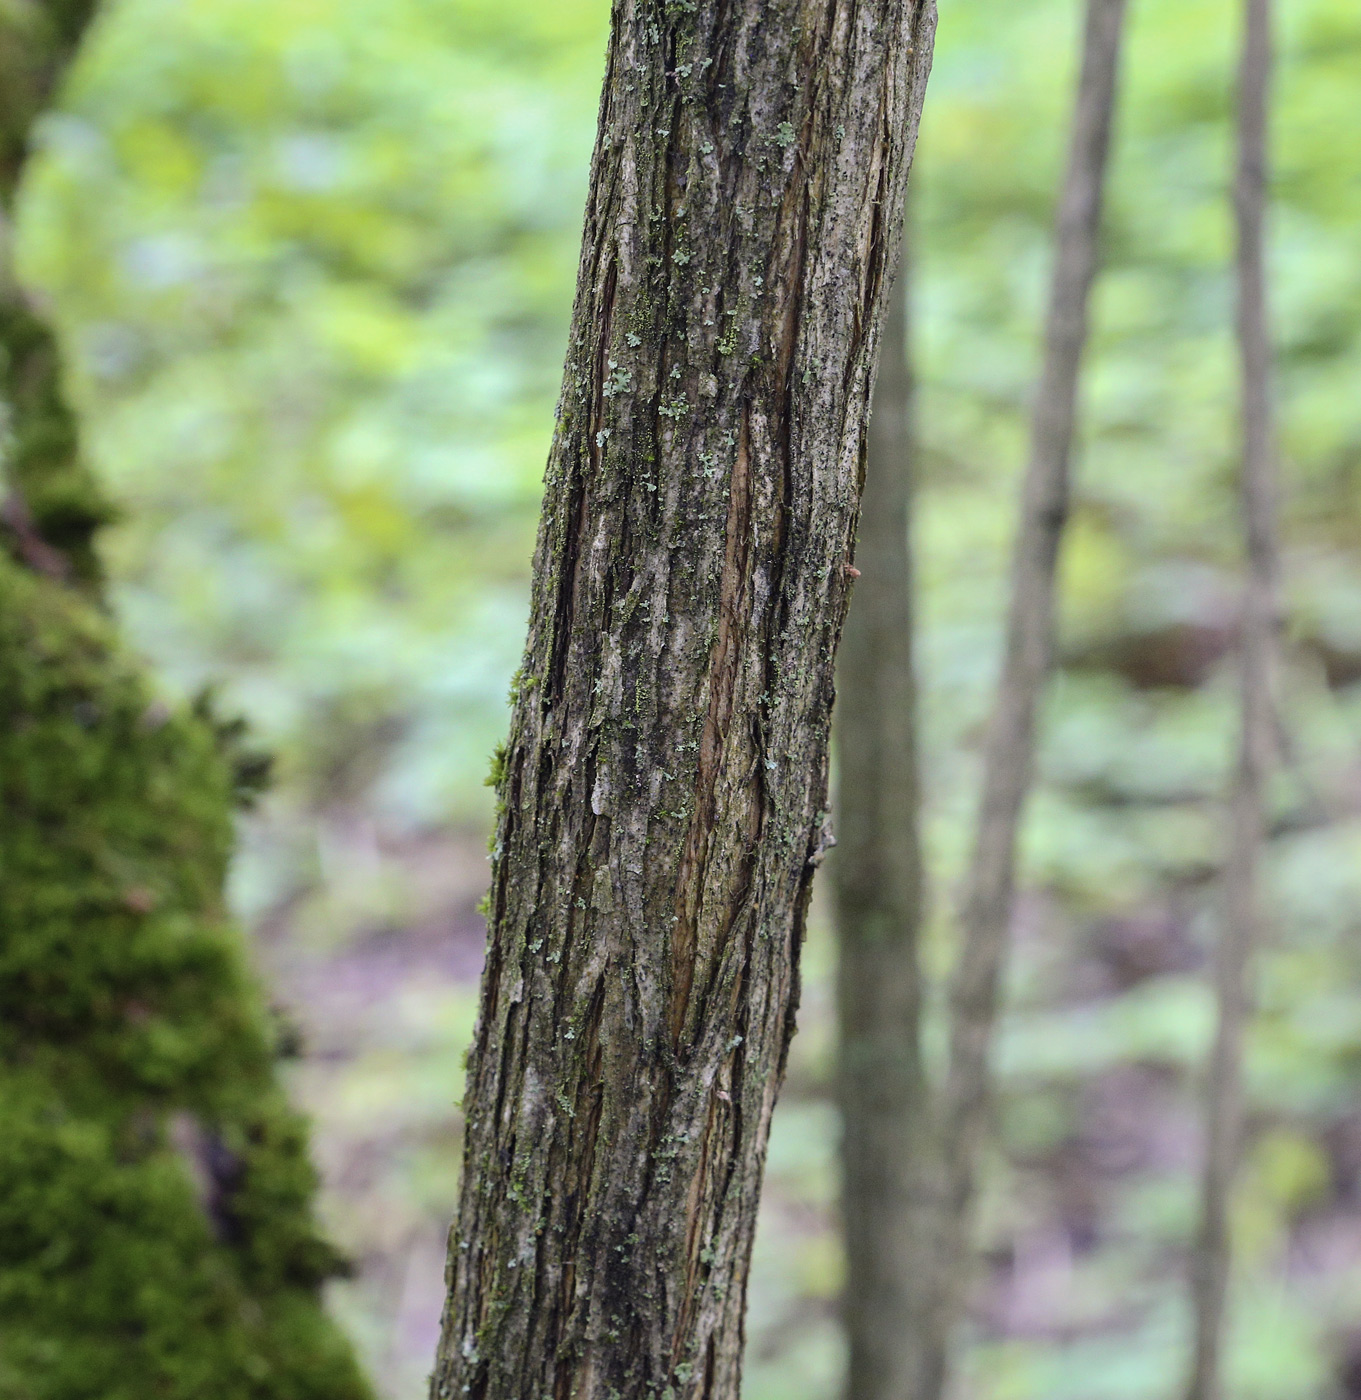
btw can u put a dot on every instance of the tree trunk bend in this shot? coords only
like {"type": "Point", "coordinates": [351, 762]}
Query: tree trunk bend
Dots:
{"type": "Point", "coordinates": [663, 788]}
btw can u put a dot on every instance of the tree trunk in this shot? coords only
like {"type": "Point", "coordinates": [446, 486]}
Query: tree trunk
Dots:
{"type": "Point", "coordinates": [155, 1225]}
{"type": "Point", "coordinates": [37, 43]}
{"type": "Point", "coordinates": [1009, 751]}
{"type": "Point", "coordinates": [1233, 963]}
{"type": "Point", "coordinates": [888, 1202]}
{"type": "Point", "coordinates": [54, 506]}
{"type": "Point", "coordinates": [663, 788]}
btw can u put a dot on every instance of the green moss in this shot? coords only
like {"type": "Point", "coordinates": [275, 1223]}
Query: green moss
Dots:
{"type": "Point", "coordinates": [497, 774]}
{"type": "Point", "coordinates": [156, 1238]}
{"type": "Point", "coordinates": [60, 494]}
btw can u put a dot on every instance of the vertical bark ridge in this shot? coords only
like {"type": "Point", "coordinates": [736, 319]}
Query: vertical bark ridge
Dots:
{"type": "Point", "coordinates": [663, 786]}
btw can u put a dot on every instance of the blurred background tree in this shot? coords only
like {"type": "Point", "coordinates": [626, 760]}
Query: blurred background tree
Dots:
{"type": "Point", "coordinates": [312, 263]}
{"type": "Point", "coordinates": [156, 1226]}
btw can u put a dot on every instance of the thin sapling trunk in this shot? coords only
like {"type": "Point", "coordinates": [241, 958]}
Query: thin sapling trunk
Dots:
{"type": "Point", "coordinates": [1009, 750]}
{"type": "Point", "coordinates": [877, 879]}
{"type": "Point", "coordinates": [1242, 914]}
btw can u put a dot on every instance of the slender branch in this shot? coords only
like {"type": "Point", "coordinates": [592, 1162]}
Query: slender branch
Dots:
{"type": "Point", "coordinates": [1009, 750]}
{"type": "Point", "coordinates": [1224, 1098]}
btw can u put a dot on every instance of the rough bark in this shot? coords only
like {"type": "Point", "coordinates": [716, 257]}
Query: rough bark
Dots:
{"type": "Point", "coordinates": [888, 1202]}
{"type": "Point", "coordinates": [663, 789]}
{"type": "Point", "coordinates": [1009, 749]}
{"type": "Point", "coordinates": [155, 1225]}
{"type": "Point", "coordinates": [1256, 745]}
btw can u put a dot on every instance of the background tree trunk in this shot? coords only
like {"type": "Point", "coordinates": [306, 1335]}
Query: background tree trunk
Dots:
{"type": "Point", "coordinates": [1233, 963]}
{"type": "Point", "coordinates": [54, 506]}
{"type": "Point", "coordinates": [664, 784]}
{"type": "Point", "coordinates": [888, 1186]}
{"type": "Point", "coordinates": [155, 1195]}
{"type": "Point", "coordinates": [1009, 751]}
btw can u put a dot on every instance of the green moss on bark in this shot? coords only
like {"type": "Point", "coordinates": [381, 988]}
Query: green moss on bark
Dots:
{"type": "Point", "coordinates": [37, 39]}
{"type": "Point", "coordinates": [62, 503]}
{"type": "Point", "coordinates": [155, 1228]}
{"type": "Point", "coordinates": [156, 1236]}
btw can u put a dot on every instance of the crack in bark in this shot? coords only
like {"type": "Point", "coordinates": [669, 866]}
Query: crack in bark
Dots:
{"type": "Point", "coordinates": [723, 672]}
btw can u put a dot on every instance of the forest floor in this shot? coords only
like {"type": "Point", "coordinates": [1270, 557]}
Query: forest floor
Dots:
{"type": "Point", "coordinates": [1086, 1215]}
{"type": "Point", "coordinates": [386, 1013]}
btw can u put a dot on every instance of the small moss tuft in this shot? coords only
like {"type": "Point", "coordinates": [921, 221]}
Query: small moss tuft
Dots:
{"type": "Point", "coordinates": [497, 773]}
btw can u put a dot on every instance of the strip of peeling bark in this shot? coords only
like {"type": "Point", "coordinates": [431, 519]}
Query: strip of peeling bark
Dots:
{"type": "Point", "coordinates": [1008, 757]}
{"type": "Point", "coordinates": [1242, 914]}
{"type": "Point", "coordinates": [664, 784]}
{"type": "Point", "coordinates": [888, 1181]}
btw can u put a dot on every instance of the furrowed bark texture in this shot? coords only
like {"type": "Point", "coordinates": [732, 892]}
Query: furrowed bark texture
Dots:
{"type": "Point", "coordinates": [887, 1184]}
{"type": "Point", "coordinates": [1242, 914]}
{"type": "Point", "coordinates": [1009, 750]}
{"type": "Point", "coordinates": [664, 783]}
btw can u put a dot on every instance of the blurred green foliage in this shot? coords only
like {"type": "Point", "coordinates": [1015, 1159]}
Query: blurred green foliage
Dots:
{"type": "Point", "coordinates": [314, 260]}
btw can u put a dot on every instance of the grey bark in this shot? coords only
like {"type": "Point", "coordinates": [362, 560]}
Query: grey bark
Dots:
{"type": "Point", "coordinates": [1009, 749]}
{"type": "Point", "coordinates": [1256, 745]}
{"type": "Point", "coordinates": [664, 784]}
{"type": "Point", "coordinates": [887, 1138]}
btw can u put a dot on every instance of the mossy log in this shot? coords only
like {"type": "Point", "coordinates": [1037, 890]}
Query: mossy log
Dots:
{"type": "Point", "coordinates": [156, 1234]}
{"type": "Point", "coordinates": [155, 1228]}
